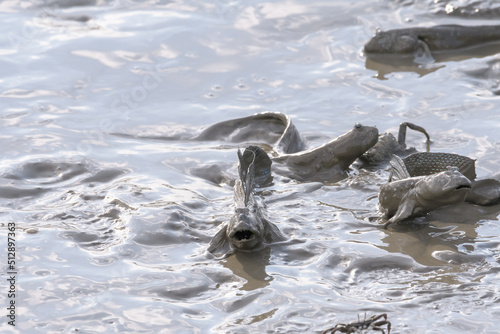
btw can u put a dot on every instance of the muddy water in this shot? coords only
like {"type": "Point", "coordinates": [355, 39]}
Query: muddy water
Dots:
{"type": "Point", "coordinates": [114, 209]}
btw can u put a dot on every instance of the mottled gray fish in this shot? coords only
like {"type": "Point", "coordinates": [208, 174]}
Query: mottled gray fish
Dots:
{"type": "Point", "coordinates": [437, 38]}
{"type": "Point", "coordinates": [413, 196]}
{"type": "Point", "coordinates": [249, 228]}
{"type": "Point", "coordinates": [329, 162]}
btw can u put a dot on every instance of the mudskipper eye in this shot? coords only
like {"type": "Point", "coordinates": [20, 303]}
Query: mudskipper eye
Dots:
{"type": "Point", "coordinates": [357, 126]}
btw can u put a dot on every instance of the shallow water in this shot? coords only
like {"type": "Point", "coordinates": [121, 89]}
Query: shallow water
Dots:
{"type": "Point", "coordinates": [114, 214]}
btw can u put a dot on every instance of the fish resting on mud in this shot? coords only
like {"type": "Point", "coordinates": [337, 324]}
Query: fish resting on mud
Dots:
{"type": "Point", "coordinates": [437, 38]}
{"type": "Point", "coordinates": [407, 196]}
{"type": "Point", "coordinates": [249, 229]}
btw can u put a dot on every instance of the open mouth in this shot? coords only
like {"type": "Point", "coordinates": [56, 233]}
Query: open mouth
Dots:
{"type": "Point", "coordinates": [463, 186]}
{"type": "Point", "coordinates": [243, 235]}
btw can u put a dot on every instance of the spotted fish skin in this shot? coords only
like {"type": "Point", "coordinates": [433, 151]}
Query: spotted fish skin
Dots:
{"type": "Point", "coordinates": [427, 163]}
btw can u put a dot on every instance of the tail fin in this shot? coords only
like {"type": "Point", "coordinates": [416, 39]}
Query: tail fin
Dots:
{"type": "Point", "coordinates": [399, 170]}
{"type": "Point", "coordinates": [402, 133]}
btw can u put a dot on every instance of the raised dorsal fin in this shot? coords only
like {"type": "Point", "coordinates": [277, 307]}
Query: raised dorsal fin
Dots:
{"type": "Point", "coordinates": [245, 185]}
{"type": "Point", "coordinates": [250, 180]}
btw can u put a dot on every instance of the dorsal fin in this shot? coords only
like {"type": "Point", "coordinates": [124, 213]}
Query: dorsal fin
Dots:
{"type": "Point", "coordinates": [239, 191]}
{"type": "Point", "coordinates": [245, 185]}
{"type": "Point", "coordinates": [249, 182]}
{"type": "Point", "coordinates": [239, 195]}
{"type": "Point", "coordinates": [242, 169]}
{"type": "Point", "coordinates": [398, 171]}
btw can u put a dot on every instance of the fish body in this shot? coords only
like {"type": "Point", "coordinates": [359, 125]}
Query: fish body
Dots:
{"type": "Point", "coordinates": [330, 161]}
{"type": "Point", "coordinates": [413, 196]}
{"type": "Point", "coordinates": [248, 229]}
{"type": "Point", "coordinates": [437, 38]}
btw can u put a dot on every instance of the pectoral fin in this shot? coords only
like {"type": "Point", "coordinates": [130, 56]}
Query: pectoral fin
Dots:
{"type": "Point", "coordinates": [405, 209]}
{"type": "Point", "coordinates": [272, 233]}
{"type": "Point", "coordinates": [423, 54]}
{"type": "Point", "coordinates": [219, 243]}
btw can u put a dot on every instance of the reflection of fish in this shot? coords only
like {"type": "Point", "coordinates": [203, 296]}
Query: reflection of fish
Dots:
{"type": "Point", "coordinates": [412, 196]}
{"type": "Point", "coordinates": [248, 229]}
{"type": "Point", "coordinates": [330, 161]}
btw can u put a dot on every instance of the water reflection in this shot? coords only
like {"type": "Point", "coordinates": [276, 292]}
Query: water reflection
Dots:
{"type": "Point", "coordinates": [442, 236]}
{"type": "Point", "coordinates": [387, 64]}
{"type": "Point", "coordinates": [250, 266]}
{"type": "Point", "coordinates": [422, 65]}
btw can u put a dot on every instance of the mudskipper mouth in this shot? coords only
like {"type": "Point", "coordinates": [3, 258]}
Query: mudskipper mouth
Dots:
{"type": "Point", "coordinates": [463, 186]}
{"type": "Point", "coordinates": [243, 235]}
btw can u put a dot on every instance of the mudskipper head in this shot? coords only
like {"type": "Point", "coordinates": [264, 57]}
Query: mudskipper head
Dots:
{"type": "Point", "coordinates": [446, 187]}
{"type": "Point", "coordinates": [354, 143]}
{"type": "Point", "coordinates": [392, 42]}
{"type": "Point", "coordinates": [245, 231]}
